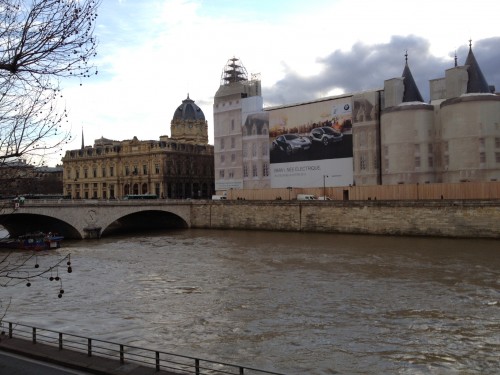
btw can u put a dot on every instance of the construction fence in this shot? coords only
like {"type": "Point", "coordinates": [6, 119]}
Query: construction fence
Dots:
{"type": "Point", "coordinates": [463, 190]}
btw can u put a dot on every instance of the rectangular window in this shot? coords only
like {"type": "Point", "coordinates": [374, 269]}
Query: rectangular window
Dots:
{"type": "Point", "coordinates": [482, 157]}
{"type": "Point", "coordinates": [231, 174]}
{"type": "Point", "coordinates": [265, 169]}
{"type": "Point", "coordinates": [417, 161]}
{"type": "Point", "coordinates": [497, 157]}
{"type": "Point", "coordinates": [94, 172]}
{"type": "Point", "coordinates": [157, 168]}
{"type": "Point", "coordinates": [127, 170]}
{"type": "Point", "coordinates": [265, 149]}
{"type": "Point", "coordinates": [233, 142]}
{"type": "Point", "coordinates": [103, 171]}
{"type": "Point", "coordinates": [497, 142]}
{"type": "Point", "coordinates": [233, 157]}
{"type": "Point", "coordinates": [245, 170]}
{"type": "Point", "coordinates": [222, 143]}
{"type": "Point", "coordinates": [254, 170]}
{"type": "Point", "coordinates": [144, 169]}
{"type": "Point", "coordinates": [362, 162]}
{"type": "Point", "coordinates": [222, 158]}
{"type": "Point", "coordinates": [111, 171]}
{"type": "Point", "coordinates": [431, 162]}
{"type": "Point", "coordinates": [221, 173]}
{"type": "Point", "coordinates": [85, 173]}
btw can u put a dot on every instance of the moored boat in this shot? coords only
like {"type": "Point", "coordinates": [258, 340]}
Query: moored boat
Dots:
{"type": "Point", "coordinates": [33, 241]}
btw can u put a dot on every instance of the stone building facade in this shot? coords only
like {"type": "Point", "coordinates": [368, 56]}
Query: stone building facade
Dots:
{"type": "Point", "coordinates": [178, 167]}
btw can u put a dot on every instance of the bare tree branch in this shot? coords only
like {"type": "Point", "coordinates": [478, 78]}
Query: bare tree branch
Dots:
{"type": "Point", "coordinates": [41, 41]}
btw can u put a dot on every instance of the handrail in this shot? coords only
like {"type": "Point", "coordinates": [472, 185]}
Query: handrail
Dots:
{"type": "Point", "coordinates": [182, 364]}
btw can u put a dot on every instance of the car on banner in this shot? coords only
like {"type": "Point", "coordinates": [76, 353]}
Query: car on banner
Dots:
{"type": "Point", "coordinates": [291, 143]}
{"type": "Point", "coordinates": [325, 135]}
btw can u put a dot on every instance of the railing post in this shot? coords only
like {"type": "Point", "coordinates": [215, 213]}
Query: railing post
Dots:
{"type": "Point", "coordinates": [89, 347]}
{"type": "Point", "coordinates": [197, 366]}
{"type": "Point", "coordinates": [34, 335]}
{"type": "Point", "coordinates": [10, 330]}
{"type": "Point", "coordinates": [157, 361]}
{"type": "Point", "coordinates": [60, 341]}
{"type": "Point", "coordinates": [122, 360]}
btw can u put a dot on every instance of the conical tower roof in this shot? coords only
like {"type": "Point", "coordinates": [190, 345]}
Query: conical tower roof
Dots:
{"type": "Point", "coordinates": [411, 93]}
{"type": "Point", "coordinates": [477, 83]}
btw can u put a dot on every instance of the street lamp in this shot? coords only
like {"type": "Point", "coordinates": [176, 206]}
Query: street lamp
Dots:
{"type": "Point", "coordinates": [324, 186]}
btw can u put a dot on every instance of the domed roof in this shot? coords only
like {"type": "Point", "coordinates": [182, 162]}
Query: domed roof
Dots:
{"type": "Point", "coordinates": [188, 111]}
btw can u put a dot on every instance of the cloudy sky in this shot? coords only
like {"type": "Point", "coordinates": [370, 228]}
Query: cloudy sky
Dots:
{"type": "Point", "coordinates": [152, 53]}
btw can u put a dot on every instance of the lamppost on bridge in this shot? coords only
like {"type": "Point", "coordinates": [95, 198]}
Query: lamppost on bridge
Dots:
{"type": "Point", "coordinates": [324, 186]}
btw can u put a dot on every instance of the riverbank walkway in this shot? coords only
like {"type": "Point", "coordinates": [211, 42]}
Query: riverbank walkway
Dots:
{"type": "Point", "coordinates": [75, 360]}
{"type": "Point", "coordinates": [94, 356]}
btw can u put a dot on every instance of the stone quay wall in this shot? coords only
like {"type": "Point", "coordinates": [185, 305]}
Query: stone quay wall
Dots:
{"type": "Point", "coordinates": [460, 219]}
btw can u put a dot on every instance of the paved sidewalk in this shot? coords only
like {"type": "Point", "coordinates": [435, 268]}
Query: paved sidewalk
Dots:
{"type": "Point", "coordinates": [75, 360]}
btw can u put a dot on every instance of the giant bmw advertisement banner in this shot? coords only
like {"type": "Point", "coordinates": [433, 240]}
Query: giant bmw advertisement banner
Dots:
{"type": "Point", "coordinates": [311, 144]}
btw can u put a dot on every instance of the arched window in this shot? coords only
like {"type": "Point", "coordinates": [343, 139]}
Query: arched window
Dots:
{"type": "Point", "coordinates": [136, 189]}
{"type": "Point", "coordinates": [126, 189]}
{"type": "Point", "coordinates": [144, 188]}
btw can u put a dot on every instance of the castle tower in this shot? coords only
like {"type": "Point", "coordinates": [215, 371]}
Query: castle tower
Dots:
{"type": "Point", "coordinates": [406, 133]}
{"type": "Point", "coordinates": [236, 97]}
{"type": "Point", "coordinates": [470, 135]}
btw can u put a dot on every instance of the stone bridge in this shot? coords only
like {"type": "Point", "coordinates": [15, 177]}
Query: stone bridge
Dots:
{"type": "Point", "coordinates": [79, 219]}
{"type": "Point", "coordinates": [95, 218]}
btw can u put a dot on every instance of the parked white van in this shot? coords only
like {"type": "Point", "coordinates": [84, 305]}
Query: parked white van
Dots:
{"type": "Point", "coordinates": [306, 197]}
{"type": "Point", "coordinates": [219, 197]}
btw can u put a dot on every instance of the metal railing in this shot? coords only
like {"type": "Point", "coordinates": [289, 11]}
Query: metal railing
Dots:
{"type": "Point", "coordinates": [177, 363]}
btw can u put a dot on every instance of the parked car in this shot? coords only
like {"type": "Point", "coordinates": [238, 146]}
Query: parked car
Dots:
{"type": "Point", "coordinates": [325, 135]}
{"type": "Point", "coordinates": [323, 198]}
{"type": "Point", "coordinates": [291, 143]}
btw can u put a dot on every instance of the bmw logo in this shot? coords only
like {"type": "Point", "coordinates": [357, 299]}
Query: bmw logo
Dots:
{"type": "Point", "coordinates": [346, 107]}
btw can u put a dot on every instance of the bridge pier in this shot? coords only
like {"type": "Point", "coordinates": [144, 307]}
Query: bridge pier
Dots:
{"type": "Point", "coordinates": [92, 232]}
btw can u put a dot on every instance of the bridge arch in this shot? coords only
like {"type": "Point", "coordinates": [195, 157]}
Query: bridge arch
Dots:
{"type": "Point", "coordinates": [147, 219]}
{"type": "Point", "coordinates": [20, 224]}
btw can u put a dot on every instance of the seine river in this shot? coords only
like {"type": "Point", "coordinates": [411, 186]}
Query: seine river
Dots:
{"type": "Point", "coordinates": [290, 302]}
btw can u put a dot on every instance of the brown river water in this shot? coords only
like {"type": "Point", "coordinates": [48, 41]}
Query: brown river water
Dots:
{"type": "Point", "coordinates": [296, 303]}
